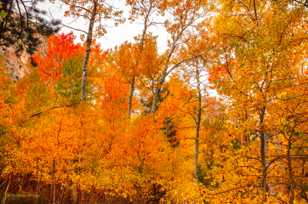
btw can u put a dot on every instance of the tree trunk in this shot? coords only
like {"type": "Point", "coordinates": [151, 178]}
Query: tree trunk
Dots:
{"type": "Point", "coordinates": [132, 84]}
{"type": "Point", "coordinates": [88, 51]}
{"type": "Point", "coordinates": [290, 172]}
{"type": "Point", "coordinates": [79, 194]}
{"type": "Point", "coordinates": [155, 100]}
{"type": "Point", "coordinates": [263, 150]}
{"type": "Point", "coordinates": [38, 185]}
{"type": "Point", "coordinates": [157, 91]}
{"type": "Point", "coordinates": [6, 190]}
{"type": "Point", "coordinates": [197, 125]}
{"type": "Point", "coordinates": [130, 97]}
{"type": "Point", "coordinates": [263, 161]}
{"type": "Point", "coordinates": [53, 187]}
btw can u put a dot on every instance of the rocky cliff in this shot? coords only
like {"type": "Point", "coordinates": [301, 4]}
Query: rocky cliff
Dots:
{"type": "Point", "coordinates": [18, 64]}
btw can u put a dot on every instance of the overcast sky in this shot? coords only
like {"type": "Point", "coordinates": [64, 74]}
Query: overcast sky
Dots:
{"type": "Point", "coordinates": [115, 34]}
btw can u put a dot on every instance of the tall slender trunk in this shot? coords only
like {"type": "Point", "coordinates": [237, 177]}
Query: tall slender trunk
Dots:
{"type": "Point", "coordinates": [130, 97]}
{"type": "Point", "coordinates": [155, 100]}
{"type": "Point", "coordinates": [157, 88]}
{"type": "Point", "coordinates": [303, 174]}
{"type": "Point", "coordinates": [263, 161]}
{"type": "Point", "coordinates": [53, 187]}
{"type": "Point", "coordinates": [79, 194]}
{"type": "Point", "coordinates": [255, 12]}
{"type": "Point", "coordinates": [290, 172]}
{"type": "Point", "coordinates": [6, 190]}
{"type": "Point", "coordinates": [263, 149]}
{"type": "Point", "coordinates": [38, 187]}
{"type": "Point", "coordinates": [88, 51]}
{"type": "Point", "coordinates": [197, 125]}
{"type": "Point", "coordinates": [132, 85]}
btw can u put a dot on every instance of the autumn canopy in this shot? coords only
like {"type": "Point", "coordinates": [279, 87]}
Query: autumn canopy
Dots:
{"type": "Point", "coordinates": [217, 116]}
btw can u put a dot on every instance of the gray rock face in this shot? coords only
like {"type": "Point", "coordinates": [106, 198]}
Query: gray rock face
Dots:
{"type": "Point", "coordinates": [17, 65]}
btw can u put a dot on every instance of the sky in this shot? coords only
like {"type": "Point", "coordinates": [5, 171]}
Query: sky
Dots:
{"type": "Point", "coordinates": [115, 36]}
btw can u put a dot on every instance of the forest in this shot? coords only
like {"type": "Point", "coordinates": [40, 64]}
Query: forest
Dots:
{"type": "Point", "coordinates": [216, 115]}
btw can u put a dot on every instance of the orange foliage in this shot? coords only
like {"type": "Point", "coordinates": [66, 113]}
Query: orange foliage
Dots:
{"type": "Point", "coordinates": [246, 143]}
{"type": "Point", "coordinates": [59, 50]}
